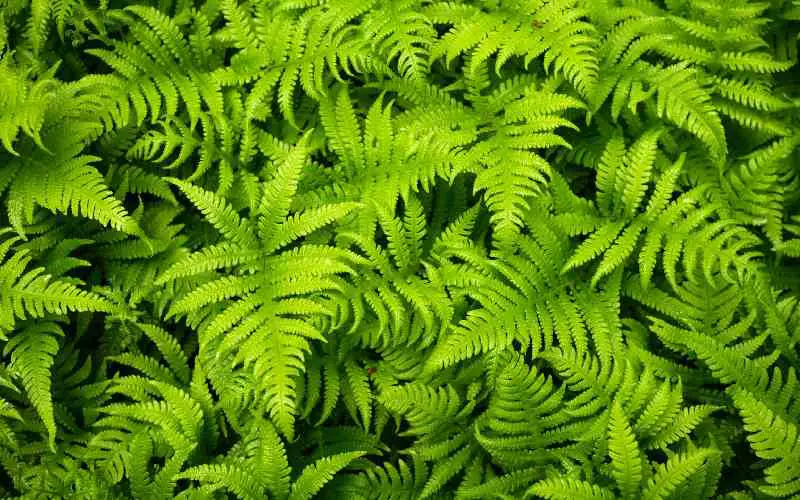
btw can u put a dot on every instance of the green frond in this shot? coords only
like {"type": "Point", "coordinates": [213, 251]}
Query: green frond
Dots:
{"type": "Point", "coordinates": [772, 438]}
{"type": "Point", "coordinates": [756, 63]}
{"type": "Point", "coordinates": [210, 258]}
{"type": "Point", "coordinates": [595, 245]}
{"type": "Point", "coordinates": [683, 424]}
{"type": "Point", "coordinates": [33, 350]}
{"type": "Point", "coordinates": [390, 482]}
{"type": "Point", "coordinates": [444, 470]}
{"type": "Point", "coordinates": [568, 489]}
{"type": "Point", "coordinates": [641, 156]}
{"type": "Point", "coordinates": [278, 193]}
{"type": "Point", "coordinates": [219, 213]}
{"type": "Point", "coordinates": [678, 470]}
{"type": "Point", "coordinates": [507, 484]}
{"type": "Point", "coordinates": [238, 481]}
{"type": "Point", "coordinates": [271, 462]}
{"type": "Point", "coordinates": [25, 102]}
{"type": "Point", "coordinates": [358, 384]}
{"type": "Point", "coordinates": [170, 349]}
{"type": "Point", "coordinates": [752, 93]}
{"type": "Point", "coordinates": [68, 185]}
{"type": "Point", "coordinates": [626, 459]}
{"type": "Point", "coordinates": [149, 366]}
{"type": "Point", "coordinates": [622, 248]}
{"type": "Point", "coordinates": [685, 102]}
{"type": "Point", "coordinates": [607, 172]}
{"type": "Point", "coordinates": [40, 18]}
{"type": "Point", "coordinates": [305, 223]}
{"type": "Point", "coordinates": [425, 407]}
{"type": "Point", "coordinates": [214, 292]}
{"type": "Point", "coordinates": [314, 477]}
{"type": "Point", "coordinates": [33, 294]}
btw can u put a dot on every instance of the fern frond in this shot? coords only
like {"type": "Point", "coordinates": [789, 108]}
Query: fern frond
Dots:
{"type": "Point", "coordinates": [32, 293]}
{"type": "Point", "coordinates": [33, 350]}
{"type": "Point", "coordinates": [626, 459]}
{"type": "Point", "coordinates": [314, 477]}
{"type": "Point", "coordinates": [772, 438]}
{"type": "Point", "coordinates": [677, 471]}
{"type": "Point", "coordinates": [569, 489]}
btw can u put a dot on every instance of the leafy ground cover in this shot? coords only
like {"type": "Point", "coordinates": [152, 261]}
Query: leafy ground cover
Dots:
{"type": "Point", "coordinates": [399, 249]}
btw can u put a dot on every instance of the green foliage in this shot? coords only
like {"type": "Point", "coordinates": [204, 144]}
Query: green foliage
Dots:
{"type": "Point", "coordinates": [399, 249]}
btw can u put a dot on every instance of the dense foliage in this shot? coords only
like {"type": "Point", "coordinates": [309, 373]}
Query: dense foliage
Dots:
{"type": "Point", "coordinates": [399, 249]}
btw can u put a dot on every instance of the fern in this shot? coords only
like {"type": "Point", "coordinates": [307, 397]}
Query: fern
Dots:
{"type": "Point", "coordinates": [271, 297]}
{"type": "Point", "coordinates": [399, 250]}
{"type": "Point", "coordinates": [779, 442]}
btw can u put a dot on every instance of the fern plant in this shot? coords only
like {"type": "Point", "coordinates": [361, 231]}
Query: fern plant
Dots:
{"type": "Point", "coordinates": [399, 249]}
